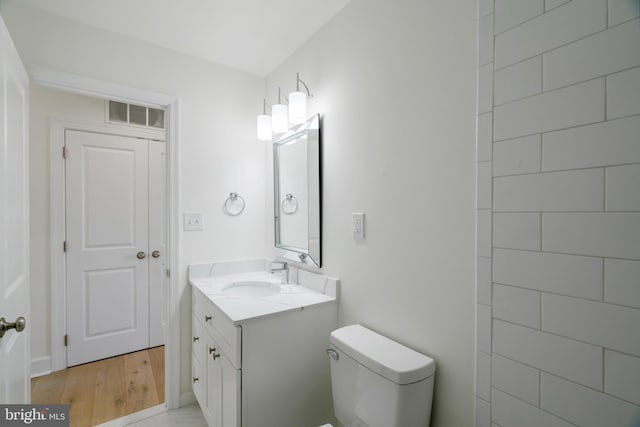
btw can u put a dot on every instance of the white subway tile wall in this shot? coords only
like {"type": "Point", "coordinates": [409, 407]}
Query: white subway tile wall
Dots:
{"type": "Point", "coordinates": [622, 376]}
{"type": "Point", "coordinates": [483, 266]}
{"type": "Point", "coordinates": [484, 185]}
{"type": "Point", "coordinates": [517, 230]}
{"type": "Point", "coordinates": [621, 282]}
{"type": "Point", "coordinates": [514, 378]}
{"type": "Point", "coordinates": [558, 277]}
{"type": "Point", "coordinates": [623, 188]}
{"type": "Point", "coordinates": [518, 81]}
{"type": "Point", "coordinates": [508, 411]}
{"type": "Point", "coordinates": [510, 13]}
{"type": "Point", "coordinates": [555, 28]}
{"type": "Point", "coordinates": [517, 156]}
{"type": "Point", "coordinates": [485, 136]}
{"type": "Point", "coordinates": [485, 39]}
{"type": "Point", "coordinates": [578, 190]}
{"type": "Point", "coordinates": [551, 4]}
{"type": "Point", "coordinates": [607, 143]}
{"type": "Point", "coordinates": [584, 406]}
{"type": "Point", "coordinates": [622, 10]}
{"type": "Point", "coordinates": [483, 376]}
{"type": "Point", "coordinates": [623, 93]}
{"type": "Point", "coordinates": [516, 305]}
{"type": "Point", "coordinates": [549, 111]}
{"type": "Point", "coordinates": [603, 53]}
{"type": "Point", "coordinates": [576, 360]}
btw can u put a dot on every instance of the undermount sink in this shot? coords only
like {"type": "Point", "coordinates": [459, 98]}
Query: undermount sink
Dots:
{"type": "Point", "coordinates": [251, 288]}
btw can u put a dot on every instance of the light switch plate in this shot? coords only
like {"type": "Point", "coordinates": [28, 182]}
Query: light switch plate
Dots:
{"type": "Point", "coordinates": [192, 221]}
{"type": "Point", "coordinates": [358, 226]}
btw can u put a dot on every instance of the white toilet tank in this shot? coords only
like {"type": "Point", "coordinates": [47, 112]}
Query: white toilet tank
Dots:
{"type": "Point", "coordinates": [377, 382]}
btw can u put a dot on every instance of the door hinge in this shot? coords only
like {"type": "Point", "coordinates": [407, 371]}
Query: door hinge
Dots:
{"type": "Point", "coordinates": [168, 273]}
{"type": "Point", "coordinates": [66, 340]}
{"type": "Point", "coordinates": [64, 152]}
{"type": "Point", "coordinates": [64, 246]}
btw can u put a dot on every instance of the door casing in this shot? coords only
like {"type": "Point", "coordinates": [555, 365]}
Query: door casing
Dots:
{"type": "Point", "coordinates": [98, 88]}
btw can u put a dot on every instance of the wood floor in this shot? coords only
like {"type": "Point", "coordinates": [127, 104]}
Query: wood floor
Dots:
{"type": "Point", "coordinates": [107, 389]}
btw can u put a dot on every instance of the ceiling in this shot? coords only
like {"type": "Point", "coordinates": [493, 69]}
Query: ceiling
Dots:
{"type": "Point", "coordinates": [251, 35]}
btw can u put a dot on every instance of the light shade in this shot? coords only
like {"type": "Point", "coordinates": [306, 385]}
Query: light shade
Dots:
{"type": "Point", "coordinates": [280, 121]}
{"type": "Point", "coordinates": [297, 107]}
{"type": "Point", "coordinates": [264, 127]}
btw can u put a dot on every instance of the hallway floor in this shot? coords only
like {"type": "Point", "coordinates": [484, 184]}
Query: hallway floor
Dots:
{"type": "Point", "coordinates": [106, 389]}
{"type": "Point", "coordinates": [188, 416]}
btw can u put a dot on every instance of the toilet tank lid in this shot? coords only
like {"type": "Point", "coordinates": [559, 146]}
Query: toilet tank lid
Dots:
{"type": "Point", "coordinates": [388, 358]}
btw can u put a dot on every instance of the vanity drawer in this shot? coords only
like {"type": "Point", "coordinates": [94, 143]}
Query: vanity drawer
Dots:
{"type": "Point", "coordinates": [218, 326]}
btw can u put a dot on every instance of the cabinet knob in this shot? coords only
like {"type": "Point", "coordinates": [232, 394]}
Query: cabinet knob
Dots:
{"type": "Point", "coordinates": [195, 339]}
{"type": "Point", "coordinates": [195, 379]}
{"type": "Point", "coordinates": [207, 318]}
{"type": "Point", "coordinates": [211, 350]}
{"type": "Point", "coordinates": [155, 254]}
{"type": "Point", "coordinates": [216, 356]}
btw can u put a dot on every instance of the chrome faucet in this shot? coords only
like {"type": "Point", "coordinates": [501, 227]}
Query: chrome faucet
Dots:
{"type": "Point", "coordinates": [280, 266]}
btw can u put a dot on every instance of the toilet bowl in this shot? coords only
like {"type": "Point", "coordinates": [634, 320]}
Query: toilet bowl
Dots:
{"type": "Point", "coordinates": [377, 382]}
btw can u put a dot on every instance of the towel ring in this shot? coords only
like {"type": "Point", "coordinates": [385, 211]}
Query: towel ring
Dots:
{"type": "Point", "coordinates": [228, 204]}
{"type": "Point", "coordinates": [291, 199]}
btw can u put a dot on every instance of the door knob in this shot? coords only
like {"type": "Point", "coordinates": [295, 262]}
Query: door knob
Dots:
{"type": "Point", "coordinates": [18, 325]}
{"type": "Point", "coordinates": [141, 255]}
{"type": "Point", "coordinates": [155, 254]}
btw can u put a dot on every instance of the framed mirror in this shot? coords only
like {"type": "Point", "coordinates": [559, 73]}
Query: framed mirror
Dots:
{"type": "Point", "coordinates": [297, 205]}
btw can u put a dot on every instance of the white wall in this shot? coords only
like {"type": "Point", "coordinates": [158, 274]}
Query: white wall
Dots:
{"type": "Point", "coordinates": [219, 153]}
{"type": "Point", "coordinates": [395, 84]}
{"type": "Point", "coordinates": [559, 178]}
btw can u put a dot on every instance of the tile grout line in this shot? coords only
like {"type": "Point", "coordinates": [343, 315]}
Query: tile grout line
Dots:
{"type": "Point", "coordinates": [513, 138]}
{"type": "Point", "coordinates": [565, 44]}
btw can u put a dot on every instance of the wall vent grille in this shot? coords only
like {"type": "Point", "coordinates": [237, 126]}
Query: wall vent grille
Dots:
{"type": "Point", "coordinates": [136, 115]}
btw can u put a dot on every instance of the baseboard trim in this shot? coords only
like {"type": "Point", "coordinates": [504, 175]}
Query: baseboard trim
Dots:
{"type": "Point", "coordinates": [187, 398]}
{"type": "Point", "coordinates": [135, 417]}
{"type": "Point", "coordinates": [40, 366]}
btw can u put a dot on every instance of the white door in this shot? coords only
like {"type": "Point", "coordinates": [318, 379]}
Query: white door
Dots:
{"type": "Point", "coordinates": [107, 245]}
{"type": "Point", "coordinates": [14, 223]}
{"type": "Point", "coordinates": [157, 242]}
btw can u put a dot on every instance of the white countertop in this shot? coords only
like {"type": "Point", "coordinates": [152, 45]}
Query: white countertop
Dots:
{"type": "Point", "coordinates": [243, 308]}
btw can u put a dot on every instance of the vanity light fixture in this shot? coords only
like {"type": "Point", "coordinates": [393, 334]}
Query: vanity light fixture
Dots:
{"type": "Point", "coordinates": [298, 102]}
{"type": "Point", "coordinates": [264, 124]}
{"type": "Point", "coordinates": [279, 118]}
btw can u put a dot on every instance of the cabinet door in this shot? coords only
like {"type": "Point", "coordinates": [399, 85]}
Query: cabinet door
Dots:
{"type": "Point", "coordinates": [231, 378]}
{"type": "Point", "coordinates": [198, 342]}
{"type": "Point", "coordinates": [214, 383]}
{"type": "Point", "coordinates": [198, 379]}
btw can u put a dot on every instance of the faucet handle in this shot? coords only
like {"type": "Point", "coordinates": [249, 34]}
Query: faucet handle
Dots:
{"type": "Point", "coordinates": [278, 266]}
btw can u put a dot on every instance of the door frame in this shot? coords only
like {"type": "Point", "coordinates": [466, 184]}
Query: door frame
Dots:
{"type": "Point", "coordinates": [108, 90]}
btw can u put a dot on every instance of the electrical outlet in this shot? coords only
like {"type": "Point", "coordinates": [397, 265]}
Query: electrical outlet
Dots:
{"type": "Point", "coordinates": [192, 221]}
{"type": "Point", "coordinates": [358, 226]}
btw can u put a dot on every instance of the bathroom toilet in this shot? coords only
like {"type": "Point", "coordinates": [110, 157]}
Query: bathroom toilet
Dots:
{"type": "Point", "coordinates": [377, 382]}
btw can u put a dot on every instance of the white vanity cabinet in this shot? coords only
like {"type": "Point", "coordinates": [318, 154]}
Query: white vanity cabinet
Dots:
{"type": "Point", "coordinates": [215, 363]}
{"type": "Point", "coordinates": [262, 371]}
